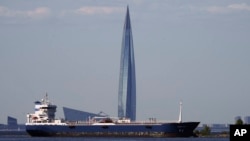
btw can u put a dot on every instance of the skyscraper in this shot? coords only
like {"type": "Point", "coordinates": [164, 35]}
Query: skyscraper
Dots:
{"type": "Point", "coordinates": [127, 81]}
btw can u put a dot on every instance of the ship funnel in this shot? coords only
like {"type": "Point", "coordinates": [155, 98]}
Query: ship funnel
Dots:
{"type": "Point", "coordinates": [37, 105]}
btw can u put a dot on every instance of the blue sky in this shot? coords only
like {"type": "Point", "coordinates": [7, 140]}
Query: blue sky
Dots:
{"type": "Point", "coordinates": [194, 51]}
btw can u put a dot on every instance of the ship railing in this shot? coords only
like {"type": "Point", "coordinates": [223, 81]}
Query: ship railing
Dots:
{"type": "Point", "coordinates": [152, 122]}
{"type": "Point", "coordinates": [44, 123]}
{"type": "Point", "coordinates": [91, 122]}
{"type": "Point", "coordinates": [168, 121]}
{"type": "Point", "coordinates": [79, 122]}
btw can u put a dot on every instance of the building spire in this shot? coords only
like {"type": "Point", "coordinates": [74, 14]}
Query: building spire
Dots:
{"type": "Point", "coordinates": [127, 81]}
{"type": "Point", "coordinates": [127, 24]}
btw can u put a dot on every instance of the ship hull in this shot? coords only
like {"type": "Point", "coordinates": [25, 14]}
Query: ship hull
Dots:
{"type": "Point", "coordinates": [184, 129]}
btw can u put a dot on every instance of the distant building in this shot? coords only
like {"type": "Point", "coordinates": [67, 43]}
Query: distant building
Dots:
{"type": "Point", "coordinates": [215, 128]}
{"type": "Point", "coordinates": [127, 81]}
{"type": "Point", "coordinates": [77, 115]}
{"type": "Point", "coordinates": [247, 120]}
{"type": "Point", "coordinates": [12, 125]}
{"type": "Point", "coordinates": [12, 122]}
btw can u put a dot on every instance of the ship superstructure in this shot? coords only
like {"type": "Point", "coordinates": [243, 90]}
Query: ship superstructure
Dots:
{"type": "Point", "coordinates": [44, 112]}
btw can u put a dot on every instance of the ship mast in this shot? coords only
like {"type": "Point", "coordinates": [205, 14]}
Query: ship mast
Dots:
{"type": "Point", "coordinates": [46, 99]}
{"type": "Point", "coordinates": [180, 115]}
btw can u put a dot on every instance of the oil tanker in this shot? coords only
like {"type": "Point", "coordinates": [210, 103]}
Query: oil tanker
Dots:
{"type": "Point", "coordinates": [44, 123]}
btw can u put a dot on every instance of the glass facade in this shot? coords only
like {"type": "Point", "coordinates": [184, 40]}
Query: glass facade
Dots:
{"type": "Point", "coordinates": [12, 123]}
{"type": "Point", "coordinates": [77, 115]}
{"type": "Point", "coordinates": [127, 81]}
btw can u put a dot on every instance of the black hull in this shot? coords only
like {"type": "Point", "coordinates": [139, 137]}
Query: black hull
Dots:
{"type": "Point", "coordinates": [164, 130]}
{"type": "Point", "coordinates": [150, 135]}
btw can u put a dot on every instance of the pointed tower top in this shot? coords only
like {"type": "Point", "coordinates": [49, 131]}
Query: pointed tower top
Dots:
{"type": "Point", "coordinates": [127, 19]}
{"type": "Point", "coordinates": [127, 11]}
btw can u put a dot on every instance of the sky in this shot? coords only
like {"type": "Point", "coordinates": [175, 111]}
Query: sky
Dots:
{"type": "Point", "coordinates": [192, 51]}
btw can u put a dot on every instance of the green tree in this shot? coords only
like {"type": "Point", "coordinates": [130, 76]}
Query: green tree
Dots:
{"type": "Point", "coordinates": [239, 121]}
{"type": "Point", "coordinates": [205, 131]}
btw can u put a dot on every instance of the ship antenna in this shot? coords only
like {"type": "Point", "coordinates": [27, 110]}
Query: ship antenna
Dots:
{"type": "Point", "coordinates": [180, 115]}
{"type": "Point", "coordinates": [46, 98]}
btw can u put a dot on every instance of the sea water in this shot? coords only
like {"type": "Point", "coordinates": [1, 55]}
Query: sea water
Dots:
{"type": "Point", "coordinates": [27, 138]}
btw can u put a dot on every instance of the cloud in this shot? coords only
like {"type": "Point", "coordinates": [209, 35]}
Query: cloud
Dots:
{"type": "Point", "coordinates": [241, 6]}
{"type": "Point", "coordinates": [229, 8]}
{"type": "Point", "coordinates": [36, 13]}
{"type": "Point", "coordinates": [217, 9]}
{"type": "Point", "coordinates": [91, 10]}
{"type": "Point", "coordinates": [39, 12]}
